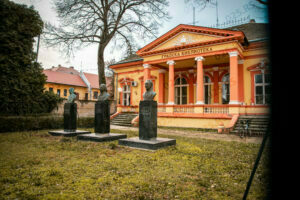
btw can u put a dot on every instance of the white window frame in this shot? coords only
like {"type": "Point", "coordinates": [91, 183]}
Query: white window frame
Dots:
{"type": "Point", "coordinates": [209, 84]}
{"type": "Point", "coordinates": [263, 84]}
{"type": "Point", "coordinates": [126, 95]}
{"type": "Point", "coordinates": [180, 86]}
{"type": "Point", "coordinates": [223, 83]}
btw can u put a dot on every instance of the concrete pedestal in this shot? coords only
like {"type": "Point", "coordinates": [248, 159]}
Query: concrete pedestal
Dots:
{"type": "Point", "coordinates": [152, 144]}
{"type": "Point", "coordinates": [147, 129]}
{"type": "Point", "coordinates": [102, 117]}
{"type": "Point", "coordinates": [70, 122]}
{"type": "Point", "coordinates": [148, 120]}
{"type": "Point", "coordinates": [68, 133]}
{"type": "Point", "coordinates": [102, 125]}
{"type": "Point", "coordinates": [70, 117]}
{"type": "Point", "coordinates": [96, 137]}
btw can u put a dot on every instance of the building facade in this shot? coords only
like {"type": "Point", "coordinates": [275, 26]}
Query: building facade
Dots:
{"type": "Point", "coordinates": [61, 79]}
{"type": "Point", "coordinates": [203, 77]}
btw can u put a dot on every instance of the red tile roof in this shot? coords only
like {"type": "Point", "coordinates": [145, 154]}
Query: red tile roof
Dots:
{"type": "Point", "coordinates": [93, 79]}
{"type": "Point", "coordinates": [70, 76]}
{"type": "Point", "coordinates": [64, 78]}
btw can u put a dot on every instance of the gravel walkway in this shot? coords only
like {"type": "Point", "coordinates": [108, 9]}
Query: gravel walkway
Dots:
{"type": "Point", "coordinates": [197, 134]}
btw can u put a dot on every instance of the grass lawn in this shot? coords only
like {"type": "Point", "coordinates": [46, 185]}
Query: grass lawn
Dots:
{"type": "Point", "coordinates": [36, 165]}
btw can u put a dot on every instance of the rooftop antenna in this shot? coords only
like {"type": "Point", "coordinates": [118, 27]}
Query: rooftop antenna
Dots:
{"type": "Point", "coordinates": [194, 16]}
{"type": "Point", "coordinates": [217, 13]}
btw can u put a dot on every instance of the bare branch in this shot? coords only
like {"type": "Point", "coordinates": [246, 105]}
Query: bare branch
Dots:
{"type": "Point", "coordinates": [83, 22]}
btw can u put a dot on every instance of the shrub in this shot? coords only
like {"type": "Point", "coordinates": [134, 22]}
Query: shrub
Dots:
{"type": "Point", "coordinates": [39, 122]}
{"type": "Point", "coordinates": [21, 77]}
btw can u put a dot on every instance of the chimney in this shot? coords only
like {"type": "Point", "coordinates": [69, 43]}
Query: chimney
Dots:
{"type": "Point", "coordinates": [252, 21]}
{"type": "Point", "coordinates": [71, 67]}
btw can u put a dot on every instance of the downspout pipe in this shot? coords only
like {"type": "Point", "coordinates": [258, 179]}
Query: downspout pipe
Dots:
{"type": "Point", "coordinates": [85, 80]}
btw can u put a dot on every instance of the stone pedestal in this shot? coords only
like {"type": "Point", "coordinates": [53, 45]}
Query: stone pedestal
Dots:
{"type": "Point", "coordinates": [102, 117]}
{"type": "Point", "coordinates": [102, 125]}
{"type": "Point", "coordinates": [70, 117]}
{"type": "Point", "coordinates": [70, 122]}
{"type": "Point", "coordinates": [148, 120]}
{"type": "Point", "coordinates": [147, 129]}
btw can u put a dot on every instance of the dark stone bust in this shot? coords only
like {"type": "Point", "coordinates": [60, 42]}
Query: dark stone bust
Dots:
{"type": "Point", "coordinates": [72, 96]}
{"type": "Point", "coordinates": [149, 94]}
{"type": "Point", "coordinates": [103, 93]}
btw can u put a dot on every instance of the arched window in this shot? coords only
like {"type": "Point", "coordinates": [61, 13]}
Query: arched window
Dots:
{"type": "Point", "coordinates": [225, 89]}
{"type": "Point", "coordinates": [181, 91]}
{"type": "Point", "coordinates": [207, 90]}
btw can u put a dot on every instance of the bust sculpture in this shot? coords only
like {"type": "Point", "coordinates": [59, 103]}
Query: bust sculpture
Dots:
{"type": "Point", "coordinates": [103, 93]}
{"type": "Point", "coordinates": [72, 96]}
{"type": "Point", "coordinates": [149, 94]}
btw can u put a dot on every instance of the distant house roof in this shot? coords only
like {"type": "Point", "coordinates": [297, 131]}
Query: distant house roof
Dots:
{"type": "Point", "coordinates": [93, 79]}
{"type": "Point", "coordinates": [70, 76]}
{"type": "Point", "coordinates": [64, 78]}
{"type": "Point", "coordinates": [130, 58]}
{"type": "Point", "coordinates": [69, 70]}
{"type": "Point", "coordinates": [253, 31]}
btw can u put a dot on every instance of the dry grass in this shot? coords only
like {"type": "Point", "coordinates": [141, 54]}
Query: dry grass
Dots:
{"type": "Point", "coordinates": [35, 165]}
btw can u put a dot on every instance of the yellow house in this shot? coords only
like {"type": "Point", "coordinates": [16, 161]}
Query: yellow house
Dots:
{"type": "Point", "coordinates": [203, 77]}
{"type": "Point", "coordinates": [61, 79]}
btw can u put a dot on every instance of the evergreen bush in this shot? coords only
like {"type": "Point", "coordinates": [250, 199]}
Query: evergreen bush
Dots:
{"type": "Point", "coordinates": [39, 122]}
{"type": "Point", "coordinates": [21, 78]}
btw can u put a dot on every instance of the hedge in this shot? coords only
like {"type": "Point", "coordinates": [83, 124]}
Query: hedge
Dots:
{"type": "Point", "coordinates": [38, 122]}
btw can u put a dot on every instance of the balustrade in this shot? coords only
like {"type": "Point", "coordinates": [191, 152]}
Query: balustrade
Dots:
{"type": "Point", "coordinates": [215, 110]}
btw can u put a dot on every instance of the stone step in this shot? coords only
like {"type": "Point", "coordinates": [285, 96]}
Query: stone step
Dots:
{"type": "Point", "coordinates": [253, 125]}
{"type": "Point", "coordinates": [253, 117]}
{"type": "Point", "coordinates": [253, 129]}
{"type": "Point", "coordinates": [123, 119]}
{"type": "Point", "coordinates": [121, 124]}
{"type": "Point", "coordinates": [254, 120]}
{"type": "Point", "coordinates": [125, 116]}
{"type": "Point", "coordinates": [258, 125]}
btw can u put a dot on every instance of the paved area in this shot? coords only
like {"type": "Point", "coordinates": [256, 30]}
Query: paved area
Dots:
{"type": "Point", "coordinates": [197, 134]}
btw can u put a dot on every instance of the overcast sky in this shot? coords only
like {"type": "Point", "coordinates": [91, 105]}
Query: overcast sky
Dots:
{"type": "Point", "coordinates": [181, 13]}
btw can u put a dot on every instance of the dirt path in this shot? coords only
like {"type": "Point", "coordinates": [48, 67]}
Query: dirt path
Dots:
{"type": "Point", "coordinates": [197, 134]}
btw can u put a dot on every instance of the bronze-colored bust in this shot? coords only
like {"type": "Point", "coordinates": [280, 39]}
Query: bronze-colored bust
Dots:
{"type": "Point", "coordinates": [72, 96]}
{"type": "Point", "coordinates": [103, 93]}
{"type": "Point", "coordinates": [149, 94]}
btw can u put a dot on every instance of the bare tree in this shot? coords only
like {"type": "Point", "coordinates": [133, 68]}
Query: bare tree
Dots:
{"type": "Point", "coordinates": [84, 22]}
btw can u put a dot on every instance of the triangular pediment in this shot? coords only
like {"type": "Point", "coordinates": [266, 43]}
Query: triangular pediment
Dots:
{"type": "Point", "coordinates": [183, 38]}
{"type": "Point", "coordinates": [189, 36]}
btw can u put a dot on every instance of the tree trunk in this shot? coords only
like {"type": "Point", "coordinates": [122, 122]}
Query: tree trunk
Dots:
{"type": "Point", "coordinates": [101, 65]}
